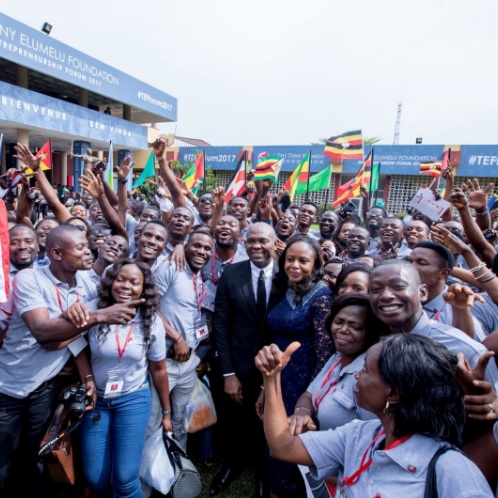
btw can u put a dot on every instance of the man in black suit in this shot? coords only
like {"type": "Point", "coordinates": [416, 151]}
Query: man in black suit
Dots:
{"type": "Point", "coordinates": [240, 309]}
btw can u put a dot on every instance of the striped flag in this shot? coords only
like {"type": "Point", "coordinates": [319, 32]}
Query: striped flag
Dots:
{"type": "Point", "coordinates": [349, 145]}
{"type": "Point", "coordinates": [237, 184]}
{"type": "Point", "coordinates": [430, 168]}
{"type": "Point", "coordinates": [109, 169]}
{"type": "Point", "coordinates": [45, 155]}
{"type": "Point", "coordinates": [299, 176]}
{"type": "Point", "coordinates": [196, 172]}
{"type": "Point", "coordinates": [265, 169]}
{"type": "Point", "coordinates": [352, 188]}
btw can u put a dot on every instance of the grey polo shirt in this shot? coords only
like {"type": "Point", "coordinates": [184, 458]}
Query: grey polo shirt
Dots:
{"type": "Point", "coordinates": [213, 270]}
{"type": "Point", "coordinates": [439, 310]}
{"type": "Point", "coordinates": [181, 297]}
{"type": "Point", "coordinates": [337, 406]}
{"type": "Point", "coordinates": [24, 363]}
{"type": "Point", "coordinates": [400, 471]}
{"type": "Point", "coordinates": [457, 342]}
{"type": "Point", "coordinates": [486, 313]}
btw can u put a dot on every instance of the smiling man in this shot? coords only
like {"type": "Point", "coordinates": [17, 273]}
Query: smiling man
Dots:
{"type": "Point", "coordinates": [181, 294]}
{"type": "Point", "coordinates": [397, 295]}
{"type": "Point", "coordinates": [391, 237]}
{"type": "Point", "coordinates": [308, 214]}
{"type": "Point", "coordinates": [329, 222]}
{"type": "Point", "coordinates": [356, 244]}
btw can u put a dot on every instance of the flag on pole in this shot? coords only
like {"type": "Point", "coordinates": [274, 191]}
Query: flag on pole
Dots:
{"type": "Point", "coordinates": [320, 181]}
{"type": "Point", "coordinates": [147, 172]}
{"type": "Point", "coordinates": [1, 143]}
{"type": "Point", "coordinates": [352, 188]}
{"type": "Point", "coordinates": [374, 181]}
{"type": "Point", "coordinates": [109, 169]}
{"type": "Point", "coordinates": [493, 202]}
{"type": "Point", "coordinates": [196, 173]}
{"type": "Point", "coordinates": [349, 145]}
{"type": "Point", "coordinates": [265, 169]}
{"type": "Point", "coordinates": [237, 184]}
{"type": "Point", "coordinates": [300, 176]}
{"type": "Point", "coordinates": [430, 168]}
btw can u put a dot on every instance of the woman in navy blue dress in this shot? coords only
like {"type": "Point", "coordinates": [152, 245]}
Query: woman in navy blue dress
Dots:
{"type": "Point", "coordinates": [303, 302]}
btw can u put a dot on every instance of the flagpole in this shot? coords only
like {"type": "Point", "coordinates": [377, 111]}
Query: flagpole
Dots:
{"type": "Point", "coordinates": [441, 170]}
{"type": "Point", "coordinates": [203, 190]}
{"type": "Point", "coordinates": [309, 174]}
{"type": "Point", "coordinates": [245, 170]}
{"type": "Point", "coordinates": [370, 182]}
{"type": "Point", "coordinates": [327, 191]}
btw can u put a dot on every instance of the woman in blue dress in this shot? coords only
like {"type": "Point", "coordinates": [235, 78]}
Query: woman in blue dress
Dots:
{"type": "Point", "coordinates": [303, 302]}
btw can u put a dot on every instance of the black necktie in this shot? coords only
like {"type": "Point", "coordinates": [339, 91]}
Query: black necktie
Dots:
{"type": "Point", "coordinates": [261, 295]}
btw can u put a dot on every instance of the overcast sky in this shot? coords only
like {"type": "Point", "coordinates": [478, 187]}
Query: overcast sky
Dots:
{"type": "Point", "coordinates": [272, 72]}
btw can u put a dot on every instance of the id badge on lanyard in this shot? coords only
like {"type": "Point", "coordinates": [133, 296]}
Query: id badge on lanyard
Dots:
{"type": "Point", "coordinates": [200, 327]}
{"type": "Point", "coordinates": [114, 384]}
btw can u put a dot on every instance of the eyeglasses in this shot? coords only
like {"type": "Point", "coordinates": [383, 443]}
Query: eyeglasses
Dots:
{"type": "Point", "coordinates": [206, 199]}
{"type": "Point", "coordinates": [81, 228]}
{"type": "Point", "coordinates": [98, 231]}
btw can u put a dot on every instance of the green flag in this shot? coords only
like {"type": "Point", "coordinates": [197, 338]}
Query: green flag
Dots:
{"type": "Point", "coordinates": [147, 172]}
{"type": "Point", "coordinates": [374, 178]}
{"type": "Point", "coordinates": [320, 181]}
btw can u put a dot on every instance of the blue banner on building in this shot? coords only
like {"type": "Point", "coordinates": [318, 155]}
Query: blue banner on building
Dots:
{"type": "Point", "coordinates": [25, 107]}
{"type": "Point", "coordinates": [35, 50]}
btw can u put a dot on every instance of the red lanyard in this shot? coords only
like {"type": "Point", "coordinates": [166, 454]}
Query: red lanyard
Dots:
{"type": "Point", "coordinates": [198, 298]}
{"type": "Point", "coordinates": [59, 300]}
{"type": "Point", "coordinates": [121, 351]}
{"type": "Point", "coordinates": [213, 263]}
{"type": "Point", "coordinates": [353, 479]}
{"type": "Point", "coordinates": [318, 399]}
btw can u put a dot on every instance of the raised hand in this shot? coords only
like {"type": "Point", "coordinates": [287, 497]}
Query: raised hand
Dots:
{"type": "Point", "coordinates": [92, 184]}
{"type": "Point", "coordinates": [461, 296]}
{"type": "Point", "coordinates": [478, 198]}
{"type": "Point", "coordinates": [25, 155]}
{"type": "Point", "coordinates": [458, 199]}
{"type": "Point", "coordinates": [218, 196]}
{"type": "Point", "coordinates": [125, 168]}
{"type": "Point", "coordinates": [159, 147]}
{"type": "Point", "coordinates": [443, 236]}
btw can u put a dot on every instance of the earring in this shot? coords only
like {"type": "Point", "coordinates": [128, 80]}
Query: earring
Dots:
{"type": "Point", "coordinates": [386, 408]}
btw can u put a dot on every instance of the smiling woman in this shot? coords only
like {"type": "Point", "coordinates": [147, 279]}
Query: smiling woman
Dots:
{"type": "Point", "coordinates": [303, 303]}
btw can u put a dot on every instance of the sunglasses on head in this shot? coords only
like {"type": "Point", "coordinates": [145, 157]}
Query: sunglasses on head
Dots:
{"type": "Point", "coordinates": [206, 199]}
{"type": "Point", "coordinates": [103, 231]}
{"type": "Point", "coordinates": [81, 228]}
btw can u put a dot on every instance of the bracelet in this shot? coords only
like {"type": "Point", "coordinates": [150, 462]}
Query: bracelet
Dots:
{"type": "Point", "coordinates": [262, 387]}
{"type": "Point", "coordinates": [303, 408]}
{"type": "Point", "coordinates": [160, 159]}
{"type": "Point", "coordinates": [485, 274]}
{"type": "Point", "coordinates": [88, 376]}
{"type": "Point", "coordinates": [177, 339]}
{"type": "Point", "coordinates": [488, 279]}
{"type": "Point", "coordinates": [166, 412]}
{"type": "Point", "coordinates": [480, 266]}
{"type": "Point", "coordinates": [123, 182]}
{"type": "Point", "coordinates": [481, 213]}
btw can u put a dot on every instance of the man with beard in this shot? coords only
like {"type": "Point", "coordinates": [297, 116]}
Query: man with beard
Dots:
{"type": "Point", "coordinates": [181, 294]}
{"type": "Point", "coordinates": [356, 244]}
{"type": "Point", "coordinates": [28, 361]}
{"type": "Point", "coordinates": [23, 249]}
{"type": "Point", "coordinates": [205, 207]}
{"type": "Point", "coordinates": [391, 236]}
{"type": "Point", "coordinates": [373, 222]}
{"type": "Point", "coordinates": [307, 215]}
{"type": "Point", "coordinates": [227, 251]}
{"type": "Point", "coordinates": [113, 248]}
{"type": "Point", "coordinates": [95, 214]}
{"type": "Point", "coordinates": [42, 229]}
{"type": "Point", "coordinates": [417, 231]}
{"type": "Point", "coordinates": [328, 224]}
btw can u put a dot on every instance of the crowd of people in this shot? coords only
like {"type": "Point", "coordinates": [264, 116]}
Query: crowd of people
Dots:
{"type": "Point", "coordinates": [352, 360]}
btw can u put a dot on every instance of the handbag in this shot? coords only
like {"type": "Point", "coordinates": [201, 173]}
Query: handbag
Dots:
{"type": "Point", "coordinates": [59, 456]}
{"type": "Point", "coordinates": [431, 480]}
{"type": "Point", "coordinates": [187, 482]}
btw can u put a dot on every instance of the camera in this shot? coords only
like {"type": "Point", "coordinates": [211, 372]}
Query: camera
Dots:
{"type": "Point", "coordinates": [76, 400]}
{"type": "Point", "coordinates": [98, 167]}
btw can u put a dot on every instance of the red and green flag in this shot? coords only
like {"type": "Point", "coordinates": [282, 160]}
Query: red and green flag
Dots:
{"type": "Point", "coordinates": [196, 173]}
{"type": "Point", "coordinates": [299, 177]}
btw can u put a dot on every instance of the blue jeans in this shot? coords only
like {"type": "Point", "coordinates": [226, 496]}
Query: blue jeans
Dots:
{"type": "Point", "coordinates": [112, 448]}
